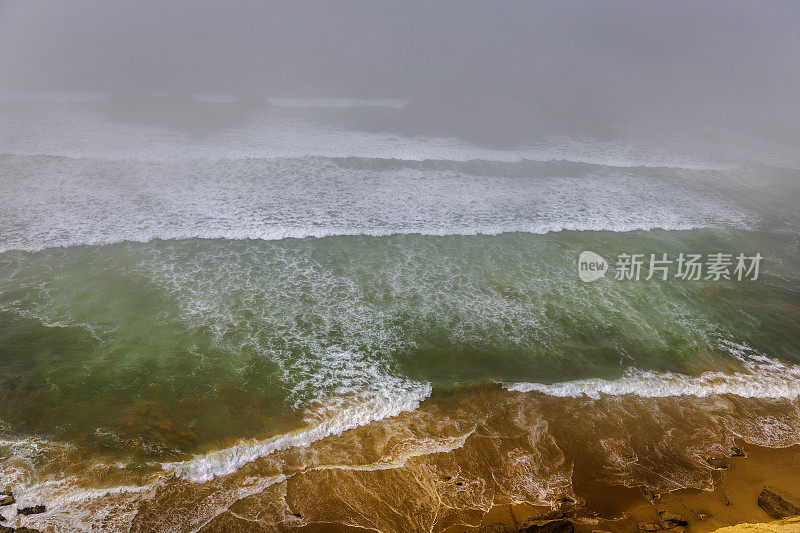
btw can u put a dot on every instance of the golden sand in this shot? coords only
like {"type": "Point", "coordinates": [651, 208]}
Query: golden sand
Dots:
{"type": "Point", "coordinates": [733, 500]}
{"type": "Point", "coordinates": [788, 525]}
{"type": "Point", "coordinates": [485, 455]}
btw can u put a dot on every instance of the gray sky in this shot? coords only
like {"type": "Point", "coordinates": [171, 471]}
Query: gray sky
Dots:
{"type": "Point", "coordinates": [732, 56]}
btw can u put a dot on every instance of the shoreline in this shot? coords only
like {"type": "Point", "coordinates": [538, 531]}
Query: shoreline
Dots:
{"type": "Point", "coordinates": [731, 506]}
{"type": "Point", "coordinates": [464, 460]}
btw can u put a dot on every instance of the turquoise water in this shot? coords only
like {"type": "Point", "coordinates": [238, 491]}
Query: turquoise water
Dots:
{"type": "Point", "coordinates": [164, 349]}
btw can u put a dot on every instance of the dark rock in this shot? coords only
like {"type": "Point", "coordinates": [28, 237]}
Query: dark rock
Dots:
{"type": "Point", "coordinates": [6, 529]}
{"type": "Point", "coordinates": [36, 509]}
{"type": "Point", "coordinates": [543, 526]}
{"type": "Point", "coordinates": [717, 464]}
{"type": "Point", "coordinates": [778, 503]}
{"type": "Point", "coordinates": [670, 520]}
{"type": "Point", "coordinates": [6, 499]}
{"type": "Point", "coordinates": [27, 530]}
{"type": "Point", "coordinates": [737, 452]}
{"type": "Point", "coordinates": [495, 527]}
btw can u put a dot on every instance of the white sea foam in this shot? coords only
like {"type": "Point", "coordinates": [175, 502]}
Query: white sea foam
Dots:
{"type": "Point", "coordinates": [760, 377]}
{"type": "Point", "coordinates": [302, 233]}
{"type": "Point", "coordinates": [74, 505]}
{"type": "Point", "coordinates": [65, 202]}
{"type": "Point", "coordinates": [763, 379]}
{"type": "Point", "coordinates": [80, 177]}
{"type": "Point", "coordinates": [70, 503]}
{"type": "Point", "coordinates": [370, 407]}
{"type": "Point", "coordinates": [404, 451]}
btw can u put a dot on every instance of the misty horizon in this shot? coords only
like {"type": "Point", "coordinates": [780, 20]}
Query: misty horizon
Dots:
{"type": "Point", "coordinates": [724, 60]}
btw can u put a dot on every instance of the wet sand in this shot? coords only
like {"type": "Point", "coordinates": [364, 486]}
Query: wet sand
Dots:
{"type": "Point", "coordinates": [732, 501]}
{"type": "Point", "coordinates": [471, 458]}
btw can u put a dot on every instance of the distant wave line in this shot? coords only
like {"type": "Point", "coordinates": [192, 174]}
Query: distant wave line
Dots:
{"type": "Point", "coordinates": [583, 162]}
{"type": "Point", "coordinates": [304, 233]}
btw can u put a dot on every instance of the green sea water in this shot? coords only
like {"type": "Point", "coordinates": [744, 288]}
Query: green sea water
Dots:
{"type": "Point", "coordinates": [179, 304]}
{"type": "Point", "coordinates": [160, 350]}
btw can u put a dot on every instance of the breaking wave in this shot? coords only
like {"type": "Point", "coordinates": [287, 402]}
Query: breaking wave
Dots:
{"type": "Point", "coordinates": [56, 202]}
{"type": "Point", "coordinates": [760, 377]}
{"type": "Point", "coordinates": [394, 398]}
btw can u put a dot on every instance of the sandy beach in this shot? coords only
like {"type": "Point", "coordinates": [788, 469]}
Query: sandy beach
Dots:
{"type": "Point", "coordinates": [417, 473]}
{"type": "Point", "coordinates": [730, 507]}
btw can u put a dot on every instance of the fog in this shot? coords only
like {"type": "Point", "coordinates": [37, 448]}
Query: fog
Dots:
{"type": "Point", "coordinates": [489, 66]}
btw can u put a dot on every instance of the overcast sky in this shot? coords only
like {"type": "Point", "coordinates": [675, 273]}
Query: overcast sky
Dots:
{"type": "Point", "coordinates": [689, 52]}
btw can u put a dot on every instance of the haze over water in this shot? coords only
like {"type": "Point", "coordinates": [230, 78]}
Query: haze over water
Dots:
{"type": "Point", "coordinates": [229, 272]}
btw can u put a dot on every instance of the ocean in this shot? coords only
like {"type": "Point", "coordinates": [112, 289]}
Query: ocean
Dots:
{"type": "Point", "coordinates": [280, 307]}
